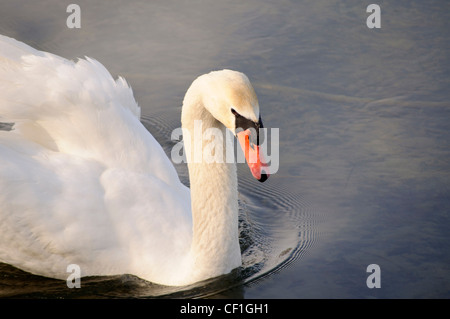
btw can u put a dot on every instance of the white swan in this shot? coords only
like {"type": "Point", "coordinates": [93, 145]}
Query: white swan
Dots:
{"type": "Point", "coordinates": [83, 182]}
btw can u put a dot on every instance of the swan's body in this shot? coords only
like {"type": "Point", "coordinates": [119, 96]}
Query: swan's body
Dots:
{"type": "Point", "coordinates": [83, 182]}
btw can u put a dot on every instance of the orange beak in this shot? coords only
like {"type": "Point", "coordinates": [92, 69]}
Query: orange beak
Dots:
{"type": "Point", "coordinates": [254, 158]}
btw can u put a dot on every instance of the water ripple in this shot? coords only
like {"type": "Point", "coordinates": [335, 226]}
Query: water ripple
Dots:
{"type": "Point", "coordinates": [276, 225]}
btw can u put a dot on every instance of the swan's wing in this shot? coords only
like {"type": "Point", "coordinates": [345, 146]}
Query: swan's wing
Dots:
{"type": "Point", "coordinates": [22, 65]}
{"type": "Point", "coordinates": [79, 173]}
{"type": "Point", "coordinates": [76, 109]}
{"type": "Point", "coordinates": [57, 210]}
{"type": "Point", "coordinates": [48, 204]}
{"type": "Point", "coordinates": [12, 50]}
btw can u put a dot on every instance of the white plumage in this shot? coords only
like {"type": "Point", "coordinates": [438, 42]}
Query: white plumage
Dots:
{"type": "Point", "coordinates": [83, 182]}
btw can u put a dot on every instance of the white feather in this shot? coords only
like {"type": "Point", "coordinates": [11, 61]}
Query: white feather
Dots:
{"type": "Point", "coordinates": [83, 182]}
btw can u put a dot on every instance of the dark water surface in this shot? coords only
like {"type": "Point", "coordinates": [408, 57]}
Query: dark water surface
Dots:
{"type": "Point", "coordinates": [363, 114]}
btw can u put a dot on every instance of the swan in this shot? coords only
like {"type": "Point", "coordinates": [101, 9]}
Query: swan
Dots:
{"type": "Point", "coordinates": [83, 182]}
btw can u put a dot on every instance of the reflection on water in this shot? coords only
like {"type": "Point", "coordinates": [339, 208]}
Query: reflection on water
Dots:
{"type": "Point", "coordinates": [364, 137]}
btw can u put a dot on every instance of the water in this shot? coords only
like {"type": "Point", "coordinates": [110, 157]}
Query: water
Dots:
{"type": "Point", "coordinates": [363, 114]}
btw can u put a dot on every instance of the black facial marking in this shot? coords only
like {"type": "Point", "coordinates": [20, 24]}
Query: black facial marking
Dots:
{"type": "Point", "coordinates": [243, 124]}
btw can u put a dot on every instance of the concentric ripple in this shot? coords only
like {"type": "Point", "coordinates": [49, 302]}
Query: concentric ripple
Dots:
{"type": "Point", "coordinates": [276, 228]}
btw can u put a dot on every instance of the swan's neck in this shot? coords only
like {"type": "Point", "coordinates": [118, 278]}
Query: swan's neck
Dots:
{"type": "Point", "coordinates": [215, 245]}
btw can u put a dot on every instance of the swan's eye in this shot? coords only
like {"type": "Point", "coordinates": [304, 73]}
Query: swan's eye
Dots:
{"type": "Point", "coordinates": [256, 137]}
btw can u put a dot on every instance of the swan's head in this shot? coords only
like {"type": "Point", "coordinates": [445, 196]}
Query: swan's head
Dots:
{"type": "Point", "coordinates": [230, 98]}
